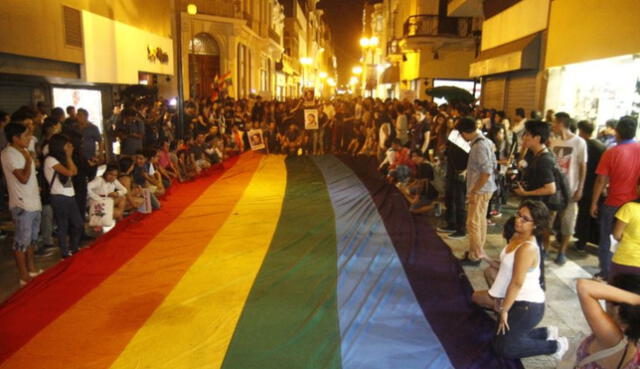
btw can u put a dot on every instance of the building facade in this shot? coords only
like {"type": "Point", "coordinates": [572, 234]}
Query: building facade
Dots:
{"type": "Point", "coordinates": [511, 60]}
{"type": "Point", "coordinates": [591, 73]}
{"type": "Point", "coordinates": [309, 58]}
{"type": "Point", "coordinates": [424, 46]}
{"type": "Point", "coordinates": [239, 41]}
{"type": "Point", "coordinates": [82, 53]}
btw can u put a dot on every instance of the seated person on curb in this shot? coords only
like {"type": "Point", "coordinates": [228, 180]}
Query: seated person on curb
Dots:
{"type": "Point", "coordinates": [292, 140]}
{"type": "Point", "coordinates": [517, 295]}
{"type": "Point", "coordinates": [614, 342]}
{"type": "Point", "coordinates": [145, 175]}
{"type": "Point", "coordinates": [419, 193]}
{"type": "Point", "coordinates": [109, 186]}
{"type": "Point", "coordinates": [197, 154]}
{"type": "Point", "coordinates": [397, 164]}
{"type": "Point", "coordinates": [134, 192]}
{"type": "Point", "coordinates": [166, 164]}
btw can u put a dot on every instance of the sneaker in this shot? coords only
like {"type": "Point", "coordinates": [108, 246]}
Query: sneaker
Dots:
{"type": "Point", "coordinates": [3, 234]}
{"type": "Point", "coordinates": [563, 347]}
{"type": "Point", "coordinates": [457, 235]}
{"type": "Point", "coordinates": [445, 230]}
{"type": "Point", "coordinates": [552, 333]}
{"type": "Point", "coordinates": [466, 261]}
{"type": "Point", "coordinates": [561, 259]}
{"type": "Point", "coordinates": [490, 223]}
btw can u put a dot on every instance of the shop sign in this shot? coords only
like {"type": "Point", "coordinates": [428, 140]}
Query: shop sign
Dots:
{"type": "Point", "coordinates": [156, 53]}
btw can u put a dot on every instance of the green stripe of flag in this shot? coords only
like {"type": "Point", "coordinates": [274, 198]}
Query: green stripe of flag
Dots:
{"type": "Point", "coordinates": [290, 319]}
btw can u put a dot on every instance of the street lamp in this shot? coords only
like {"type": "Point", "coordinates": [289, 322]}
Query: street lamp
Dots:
{"type": "Point", "coordinates": [357, 70]}
{"type": "Point", "coordinates": [305, 61]}
{"type": "Point", "coordinates": [192, 9]}
{"type": "Point", "coordinates": [323, 75]}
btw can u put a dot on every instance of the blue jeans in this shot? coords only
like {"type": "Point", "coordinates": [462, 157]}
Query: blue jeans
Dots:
{"type": "Point", "coordinates": [27, 225]}
{"type": "Point", "coordinates": [606, 216]}
{"type": "Point", "coordinates": [522, 339]}
{"type": "Point", "coordinates": [69, 221]}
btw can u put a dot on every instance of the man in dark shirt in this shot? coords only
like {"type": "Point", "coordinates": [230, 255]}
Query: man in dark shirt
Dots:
{"type": "Point", "coordinates": [586, 226]}
{"type": "Point", "coordinates": [538, 182]}
{"type": "Point", "coordinates": [456, 190]}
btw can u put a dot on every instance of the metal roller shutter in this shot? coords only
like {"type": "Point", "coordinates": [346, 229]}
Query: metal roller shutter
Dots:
{"type": "Point", "coordinates": [521, 93]}
{"type": "Point", "coordinates": [493, 90]}
{"type": "Point", "coordinates": [13, 97]}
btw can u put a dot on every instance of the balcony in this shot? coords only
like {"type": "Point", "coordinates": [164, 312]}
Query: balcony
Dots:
{"type": "Point", "coordinates": [434, 31]}
{"type": "Point", "coordinates": [275, 36]}
{"type": "Point", "coordinates": [465, 8]}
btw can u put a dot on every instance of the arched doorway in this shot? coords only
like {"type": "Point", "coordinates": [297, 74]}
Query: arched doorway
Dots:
{"type": "Point", "coordinates": [204, 64]}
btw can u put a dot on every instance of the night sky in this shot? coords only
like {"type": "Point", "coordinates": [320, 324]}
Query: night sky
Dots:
{"type": "Point", "coordinates": [345, 19]}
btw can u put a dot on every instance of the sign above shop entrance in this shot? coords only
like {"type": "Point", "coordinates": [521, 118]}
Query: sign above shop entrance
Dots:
{"type": "Point", "coordinates": [156, 53]}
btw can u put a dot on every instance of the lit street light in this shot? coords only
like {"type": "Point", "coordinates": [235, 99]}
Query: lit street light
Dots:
{"type": "Point", "coordinates": [357, 70]}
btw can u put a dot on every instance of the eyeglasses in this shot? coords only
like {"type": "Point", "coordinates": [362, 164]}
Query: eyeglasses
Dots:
{"type": "Point", "coordinates": [524, 219]}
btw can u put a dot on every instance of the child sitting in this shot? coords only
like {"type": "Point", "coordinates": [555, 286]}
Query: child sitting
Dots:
{"type": "Point", "coordinates": [109, 186]}
{"type": "Point", "coordinates": [134, 197]}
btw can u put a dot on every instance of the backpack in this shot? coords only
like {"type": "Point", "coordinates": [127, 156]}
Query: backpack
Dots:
{"type": "Point", "coordinates": [560, 199]}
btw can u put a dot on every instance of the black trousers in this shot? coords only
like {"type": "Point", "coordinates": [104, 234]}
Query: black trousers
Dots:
{"type": "Point", "coordinates": [454, 199]}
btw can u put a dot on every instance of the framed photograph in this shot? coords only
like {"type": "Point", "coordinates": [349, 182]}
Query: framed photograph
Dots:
{"type": "Point", "coordinates": [311, 119]}
{"type": "Point", "coordinates": [256, 140]}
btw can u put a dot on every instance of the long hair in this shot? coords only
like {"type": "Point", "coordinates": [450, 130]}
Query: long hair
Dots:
{"type": "Point", "coordinates": [629, 314]}
{"type": "Point", "coordinates": [540, 214]}
{"type": "Point", "coordinates": [56, 150]}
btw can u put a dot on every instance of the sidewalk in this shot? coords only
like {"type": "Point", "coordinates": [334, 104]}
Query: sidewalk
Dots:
{"type": "Point", "coordinates": [562, 308]}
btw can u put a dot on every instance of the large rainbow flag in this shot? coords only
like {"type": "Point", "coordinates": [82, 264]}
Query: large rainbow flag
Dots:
{"type": "Point", "coordinates": [274, 263]}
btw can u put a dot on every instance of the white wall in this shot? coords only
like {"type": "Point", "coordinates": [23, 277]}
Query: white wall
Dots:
{"type": "Point", "coordinates": [518, 21]}
{"type": "Point", "coordinates": [115, 52]}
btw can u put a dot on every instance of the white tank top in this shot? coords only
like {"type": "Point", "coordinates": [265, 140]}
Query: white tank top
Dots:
{"type": "Point", "coordinates": [531, 290]}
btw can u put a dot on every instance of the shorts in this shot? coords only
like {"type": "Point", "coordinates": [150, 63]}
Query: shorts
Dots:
{"type": "Point", "coordinates": [568, 218]}
{"type": "Point", "coordinates": [27, 228]}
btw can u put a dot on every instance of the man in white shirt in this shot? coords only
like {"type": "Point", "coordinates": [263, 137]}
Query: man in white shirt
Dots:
{"type": "Point", "coordinates": [24, 197]}
{"type": "Point", "coordinates": [571, 155]}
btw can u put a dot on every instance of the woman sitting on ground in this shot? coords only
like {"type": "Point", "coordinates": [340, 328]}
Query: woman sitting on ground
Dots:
{"type": "Point", "coordinates": [517, 295]}
{"type": "Point", "coordinates": [614, 342]}
{"type": "Point", "coordinates": [109, 186]}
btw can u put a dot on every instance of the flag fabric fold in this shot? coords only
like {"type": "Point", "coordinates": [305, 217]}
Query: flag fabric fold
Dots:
{"type": "Point", "coordinates": [276, 262]}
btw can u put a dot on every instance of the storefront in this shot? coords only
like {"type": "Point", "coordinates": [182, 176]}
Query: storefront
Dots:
{"type": "Point", "coordinates": [596, 90]}
{"type": "Point", "coordinates": [511, 76]}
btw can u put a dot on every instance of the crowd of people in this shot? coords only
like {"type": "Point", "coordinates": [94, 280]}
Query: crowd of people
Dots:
{"type": "Point", "coordinates": [464, 159]}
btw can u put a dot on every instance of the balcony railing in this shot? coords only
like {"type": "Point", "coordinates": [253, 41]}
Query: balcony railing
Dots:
{"type": "Point", "coordinates": [436, 26]}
